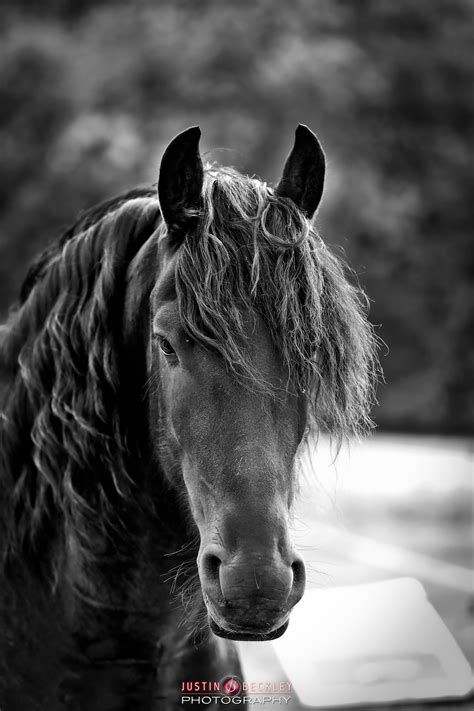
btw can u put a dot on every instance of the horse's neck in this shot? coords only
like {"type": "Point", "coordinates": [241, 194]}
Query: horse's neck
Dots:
{"type": "Point", "coordinates": [99, 643]}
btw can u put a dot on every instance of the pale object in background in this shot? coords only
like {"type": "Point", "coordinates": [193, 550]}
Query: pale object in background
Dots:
{"type": "Point", "coordinates": [367, 644]}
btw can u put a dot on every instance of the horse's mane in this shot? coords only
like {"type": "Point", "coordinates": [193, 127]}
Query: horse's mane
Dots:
{"type": "Point", "coordinates": [63, 448]}
{"type": "Point", "coordinates": [254, 251]}
{"type": "Point", "coordinates": [87, 219]}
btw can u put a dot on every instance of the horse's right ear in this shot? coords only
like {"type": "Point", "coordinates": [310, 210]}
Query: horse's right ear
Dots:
{"type": "Point", "coordinates": [180, 181]}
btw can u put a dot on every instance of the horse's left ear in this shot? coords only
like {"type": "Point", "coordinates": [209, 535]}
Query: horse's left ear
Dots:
{"type": "Point", "coordinates": [303, 175]}
{"type": "Point", "coordinates": [180, 181]}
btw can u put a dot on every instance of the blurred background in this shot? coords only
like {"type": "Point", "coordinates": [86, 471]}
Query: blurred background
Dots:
{"type": "Point", "coordinates": [91, 92]}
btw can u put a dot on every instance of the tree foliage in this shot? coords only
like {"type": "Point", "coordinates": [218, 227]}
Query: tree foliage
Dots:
{"type": "Point", "coordinates": [90, 93]}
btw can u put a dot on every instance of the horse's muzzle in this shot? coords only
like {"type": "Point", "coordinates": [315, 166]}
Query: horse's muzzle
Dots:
{"type": "Point", "coordinates": [250, 597]}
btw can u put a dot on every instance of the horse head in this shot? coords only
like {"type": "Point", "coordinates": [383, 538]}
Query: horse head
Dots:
{"type": "Point", "coordinates": [237, 354]}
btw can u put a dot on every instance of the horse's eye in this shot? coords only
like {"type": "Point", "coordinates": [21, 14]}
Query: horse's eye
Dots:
{"type": "Point", "coordinates": [166, 347]}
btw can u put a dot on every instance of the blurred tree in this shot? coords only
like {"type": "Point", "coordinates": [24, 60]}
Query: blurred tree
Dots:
{"type": "Point", "coordinates": [90, 93]}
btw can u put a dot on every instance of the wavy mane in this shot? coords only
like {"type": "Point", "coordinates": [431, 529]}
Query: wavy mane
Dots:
{"type": "Point", "coordinates": [63, 441]}
{"type": "Point", "coordinates": [255, 252]}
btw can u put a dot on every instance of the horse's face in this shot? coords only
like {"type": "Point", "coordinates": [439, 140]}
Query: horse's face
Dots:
{"type": "Point", "coordinates": [236, 450]}
{"type": "Point", "coordinates": [232, 450]}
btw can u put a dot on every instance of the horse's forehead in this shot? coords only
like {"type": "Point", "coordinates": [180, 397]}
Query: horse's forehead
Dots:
{"type": "Point", "coordinates": [165, 287]}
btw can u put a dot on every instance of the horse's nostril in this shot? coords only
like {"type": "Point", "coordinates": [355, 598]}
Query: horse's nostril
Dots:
{"type": "Point", "coordinates": [211, 564]}
{"type": "Point", "coordinates": [210, 569]}
{"type": "Point", "coordinates": [298, 571]}
{"type": "Point", "coordinates": [299, 579]}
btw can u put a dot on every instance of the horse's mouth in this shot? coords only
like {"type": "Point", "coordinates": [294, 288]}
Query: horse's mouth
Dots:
{"type": "Point", "coordinates": [247, 635]}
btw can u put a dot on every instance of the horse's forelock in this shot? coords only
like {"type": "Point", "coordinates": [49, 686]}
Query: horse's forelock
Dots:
{"type": "Point", "coordinates": [254, 251]}
{"type": "Point", "coordinates": [63, 437]}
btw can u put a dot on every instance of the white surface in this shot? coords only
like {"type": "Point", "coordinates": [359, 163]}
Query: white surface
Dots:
{"type": "Point", "coordinates": [372, 643]}
{"type": "Point", "coordinates": [393, 467]}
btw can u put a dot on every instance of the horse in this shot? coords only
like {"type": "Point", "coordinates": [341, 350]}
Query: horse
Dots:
{"type": "Point", "coordinates": [168, 361]}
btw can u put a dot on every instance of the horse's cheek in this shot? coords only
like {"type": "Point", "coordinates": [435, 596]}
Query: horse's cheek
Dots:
{"type": "Point", "coordinates": [181, 403]}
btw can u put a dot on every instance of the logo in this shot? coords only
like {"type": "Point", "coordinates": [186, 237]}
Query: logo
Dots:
{"type": "Point", "coordinates": [231, 685]}
{"type": "Point", "coordinates": [233, 691]}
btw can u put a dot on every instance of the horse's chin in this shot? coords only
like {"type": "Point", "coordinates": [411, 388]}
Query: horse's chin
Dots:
{"type": "Point", "coordinates": [247, 635]}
